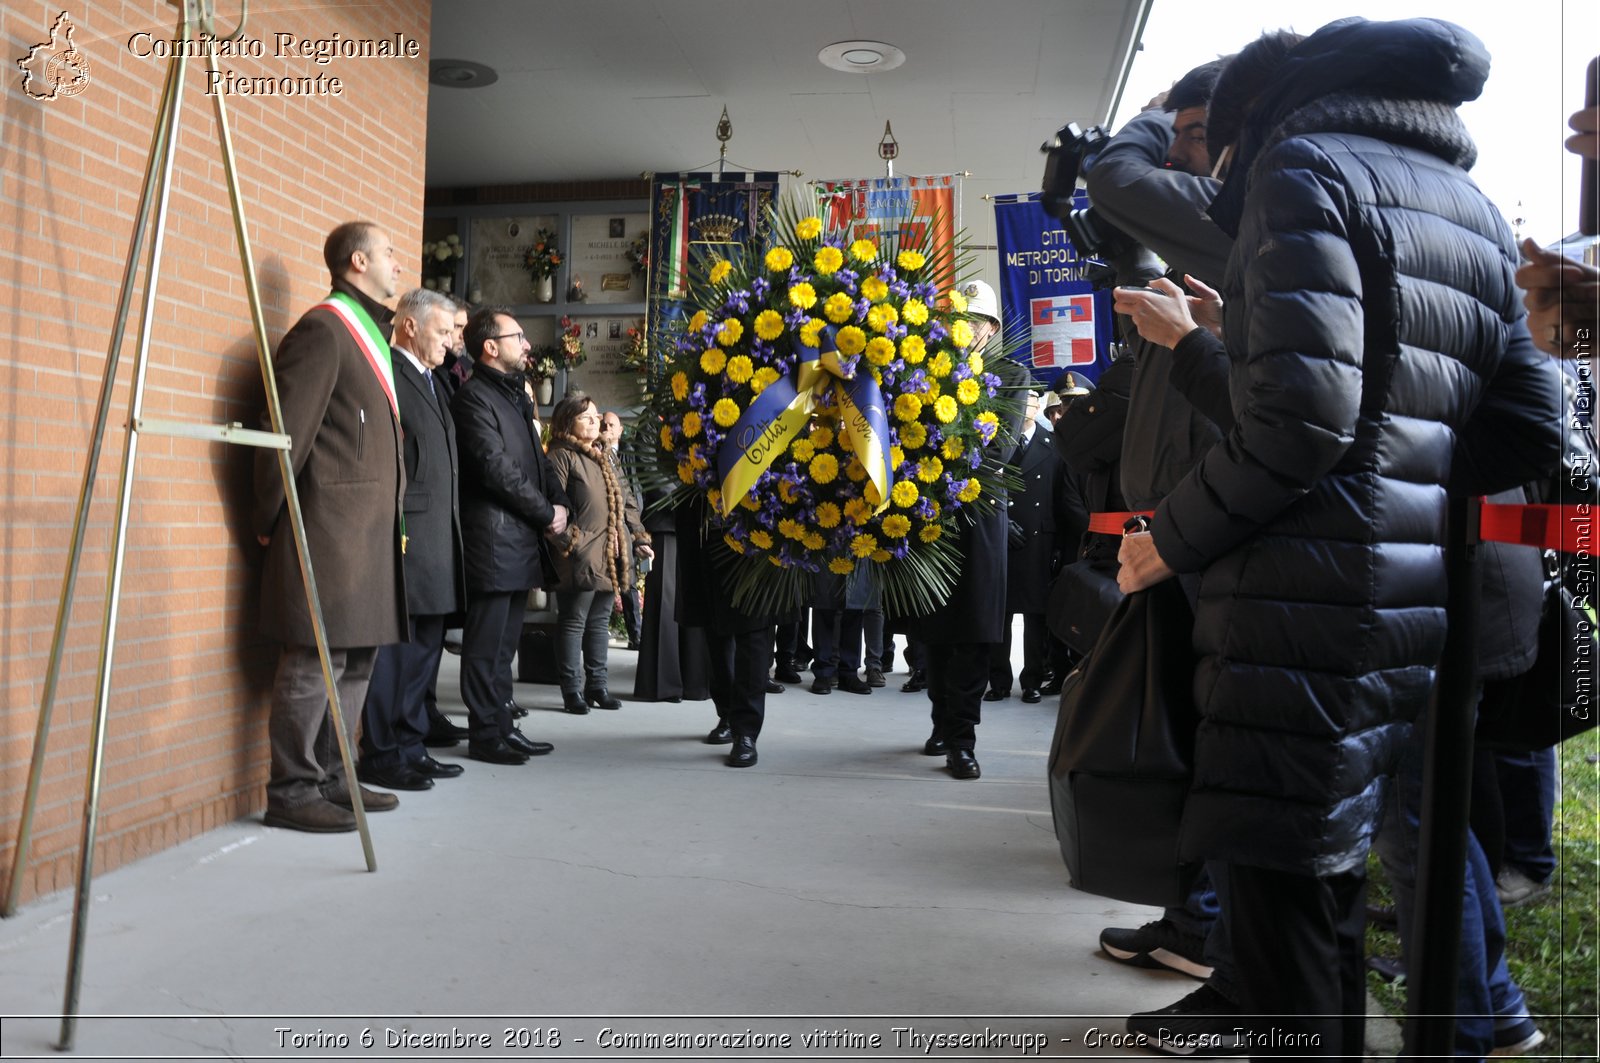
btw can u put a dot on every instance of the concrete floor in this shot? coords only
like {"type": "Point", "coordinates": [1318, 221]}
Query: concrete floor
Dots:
{"type": "Point", "coordinates": [629, 881]}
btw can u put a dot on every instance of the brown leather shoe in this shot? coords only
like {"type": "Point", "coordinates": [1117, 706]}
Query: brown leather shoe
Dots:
{"type": "Point", "coordinates": [315, 817]}
{"type": "Point", "coordinates": [371, 800]}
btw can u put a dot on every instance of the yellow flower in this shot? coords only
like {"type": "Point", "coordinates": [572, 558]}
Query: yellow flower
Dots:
{"type": "Point", "coordinates": [769, 324]}
{"type": "Point", "coordinates": [975, 362]}
{"type": "Point", "coordinates": [733, 544]}
{"type": "Point", "coordinates": [881, 555]}
{"type": "Point", "coordinates": [945, 409]}
{"type": "Point", "coordinates": [802, 296]}
{"type": "Point", "coordinates": [881, 316]}
{"type": "Point", "coordinates": [838, 308]}
{"type": "Point", "coordinates": [953, 448]}
{"type": "Point", "coordinates": [822, 437]}
{"type": "Point", "coordinates": [680, 386]}
{"type": "Point", "coordinates": [990, 419]}
{"type": "Point", "coordinates": [910, 260]}
{"type": "Point", "coordinates": [961, 334]}
{"type": "Point", "coordinates": [685, 473]}
{"type": "Point", "coordinates": [827, 515]}
{"type": "Point", "coordinates": [730, 332]}
{"type": "Point", "coordinates": [698, 321]}
{"type": "Point", "coordinates": [697, 459]}
{"type": "Point", "coordinates": [841, 566]}
{"type": "Point", "coordinates": [720, 270]}
{"type": "Point", "coordinates": [915, 312]}
{"type": "Point", "coordinates": [896, 526]}
{"type": "Point", "coordinates": [725, 412]}
{"type": "Point", "coordinates": [970, 492]}
{"type": "Point", "coordinates": [691, 424]}
{"type": "Point", "coordinates": [777, 562]}
{"type": "Point", "coordinates": [712, 361]}
{"type": "Point", "coordinates": [763, 379]}
{"type": "Point", "coordinates": [913, 350]}
{"type": "Point", "coordinates": [714, 498]}
{"type": "Point", "coordinates": [779, 259]}
{"type": "Point", "coordinates": [857, 510]}
{"type": "Point", "coordinates": [855, 470]}
{"type": "Point", "coordinates": [812, 541]}
{"type": "Point", "coordinates": [863, 251]}
{"type": "Point", "coordinates": [666, 437]}
{"type": "Point", "coordinates": [876, 289]}
{"type": "Point", "coordinates": [880, 350]}
{"type": "Point", "coordinates": [958, 302]}
{"type": "Point", "coordinates": [967, 392]}
{"type": "Point", "coordinates": [824, 468]}
{"type": "Point", "coordinates": [803, 450]}
{"type": "Point", "coordinates": [914, 435]}
{"type": "Point", "coordinates": [749, 502]}
{"type": "Point", "coordinates": [790, 529]}
{"type": "Point", "coordinates": [827, 260]}
{"type": "Point", "coordinates": [929, 469]}
{"type": "Point", "coordinates": [930, 532]}
{"type": "Point", "coordinates": [811, 331]}
{"type": "Point", "coordinates": [863, 544]}
{"type": "Point", "coordinates": [896, 456]}
{"type": "Point", "coordinates": [808, 228]}
{"type": "Point", "coordinates": [786, 491]}
{"type": "Point", "coordinates": [850, 340]}
{"type": "Point", "coordinates": [904, 493]}
{"type": "Point", "coordinates": [935, 510]}
{"type": "Point", "coordinates": [940, 365]}
{"type": "Point", "coordinates": [761, 539]}
{"type": "Point", "coordinates": [907, 407]}
{"type": "Point", "coordinates": [931, 391]}
{"type": "Point", "coordinates": [739, 369]}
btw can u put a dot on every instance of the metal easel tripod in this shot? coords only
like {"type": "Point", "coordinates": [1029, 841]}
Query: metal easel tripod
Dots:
{"type": "Point", "coordinates": [196, 18]}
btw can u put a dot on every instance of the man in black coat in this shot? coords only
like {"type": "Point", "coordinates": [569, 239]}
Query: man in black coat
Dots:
{"type": "Point", "coordinates": [1032, 543]}
{"type": "Point", "coordinates": [396, 716]}
{"type": "Point", "coordinates": [510, 503]}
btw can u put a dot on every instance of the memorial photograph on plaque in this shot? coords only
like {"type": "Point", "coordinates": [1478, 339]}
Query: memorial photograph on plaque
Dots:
{"type": "Point", "coordinates": [496, 266]}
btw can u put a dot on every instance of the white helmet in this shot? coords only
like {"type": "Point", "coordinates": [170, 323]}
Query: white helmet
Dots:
{"type": "Point", "coordinates": [981, 300]}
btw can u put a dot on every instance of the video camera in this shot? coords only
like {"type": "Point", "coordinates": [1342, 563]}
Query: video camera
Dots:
{"type": "Point", "coordinates": [1070, 152]}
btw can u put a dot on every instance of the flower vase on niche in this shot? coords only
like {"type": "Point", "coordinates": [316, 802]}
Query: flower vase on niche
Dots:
{"type": "Point", "coordinates": [544, 289]}
{"type": "Point", "coordinates": [546, 391]}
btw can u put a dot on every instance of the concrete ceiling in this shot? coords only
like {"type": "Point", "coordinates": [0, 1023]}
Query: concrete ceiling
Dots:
{"type": "Point", "coordinates": [605, 89]}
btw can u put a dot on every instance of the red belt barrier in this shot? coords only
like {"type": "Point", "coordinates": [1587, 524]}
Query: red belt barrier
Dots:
{"type": "Point", "coordinates": [1569, 529]}
{"type": "Point", "coordinates": [1112, 523]}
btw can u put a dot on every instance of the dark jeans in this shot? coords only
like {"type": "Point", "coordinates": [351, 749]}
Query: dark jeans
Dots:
{"type": "Point", "coordinates": [488, 643]}
{"type": "Point", "coordinates": [396, 716]}
{"type": "Point", "coordinates": [584, 629]}
{"type": "Point", "coordinates": [957, 673]}
{"type": "Point", "coordinates": [739, 664]}
{"type": "Point", "coordinates": [305, 752]}
{"type": "Point", "coordinates": [1528, 795]}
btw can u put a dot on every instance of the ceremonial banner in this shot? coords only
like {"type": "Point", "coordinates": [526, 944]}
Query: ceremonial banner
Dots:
{"type": "Point", "coordinates": [692, 213]}
{"type": "Point", "coordinates": [1043, 292]}
{"type": "Point", "coordinates": [862, 208]}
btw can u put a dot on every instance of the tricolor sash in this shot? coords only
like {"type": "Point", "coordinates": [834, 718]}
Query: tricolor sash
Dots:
{"type": "Point", "coordinates": [368, 338]}
{"type": "Point", "coordinates": [782, 411]}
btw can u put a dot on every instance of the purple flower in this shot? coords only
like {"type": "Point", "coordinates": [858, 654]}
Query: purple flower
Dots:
{"type": "Point", "coordinates": [759, 288]}
{"type": "Point", "coordinates": [927, 292]}
{"type": "Point", "coordinates": [974, 458]}
{"type": "Point", "coordinates": [937, 333]}
{"type": "Point", "coordinates": [896, 331]}
{"type": "Point", "coordinates": [862, 306]}
{"type": "Point", "coordinates": [954, 488]}
{"type": "Point", "coordinates": [901, 289]}
{"type": "Point", "coordinates": [697, 396]}
{"type": "Point", "coordinates": [961, 372]}
{"type": "Point", "coordinates": [738, 303]}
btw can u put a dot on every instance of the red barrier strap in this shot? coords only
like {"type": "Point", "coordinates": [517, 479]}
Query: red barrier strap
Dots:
{"type": "Point", "coordinates": [1112, 523]}
{"type": "Point", "coordinates": [1569, 529]}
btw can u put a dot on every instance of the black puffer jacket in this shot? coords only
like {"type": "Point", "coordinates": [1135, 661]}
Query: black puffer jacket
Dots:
{"type": "Point", "coordinates": [1370, 312]}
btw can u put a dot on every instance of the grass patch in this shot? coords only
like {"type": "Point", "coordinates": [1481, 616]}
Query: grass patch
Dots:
{"type": "Point", "coordinates": [1551, 943]}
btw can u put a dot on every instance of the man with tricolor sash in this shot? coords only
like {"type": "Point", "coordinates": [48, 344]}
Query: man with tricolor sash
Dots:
{"type": "Point", "coordinates": [336, 386]}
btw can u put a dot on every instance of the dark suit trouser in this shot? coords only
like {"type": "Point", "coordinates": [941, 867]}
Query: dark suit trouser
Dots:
{"type": "Point", "coordinates": [1035, 654]}
{"type": "Point", "coordinates": [957, 673]}
{"type": "Point", "coordinates": [488, 642]}
{"type": "Point", "coordinates": [305, 750]}
{"type": "Point", "coordinates": [632, 621]}
{"type": "Point", "coordinates": [396, 716]}
{"type": "Point", "coordinates": [739, 666]}
{"type": "Point", "coordinates": [836, 634]}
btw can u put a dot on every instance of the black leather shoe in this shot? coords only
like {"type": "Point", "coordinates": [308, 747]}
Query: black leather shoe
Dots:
{"type": "Point", "coordinates": [434, 769]}
{"type": "Point", "coordinates": [786, 672]}
{"type": "Point", "coordinates": [821, 685]}
{"type": "Point", "coordinates": [573, 702]}
{"type": "Point", "coordinates": [1031, 696]}
{"type": "Point", "coordinates": [720, 735]}
{"type": "Point", "coordinates": [517, 711]}
{"type": "Point", "coordinates": [996, 695]}
{"type": "Point", "coordinates": [775, 687]}
{"type": "Point", "coordinates": [601, 699]}
{"type": "Point", "coordinates": [918, 680]}
{"type": "Point", "coordinates": [1051, 689]}
{"type": "Point", "coordinates": [962, 764]}
{"type": "Point", "coordinates": [875, 678]}
{"type": "Point", "coordinates": [743, 753]}
{"type": "Point", "coordinates": [442, 734]}
{"type": "Point", "coordinates": [399, 777]}
{"type": "Point", "coordinates": [495, 751]}
{"type": "Point", "coordinates": [854, 684]}
{"type": "Point", "coordinates": [935, 746]}
{"type": "Point", "coordinates": [525, 745]}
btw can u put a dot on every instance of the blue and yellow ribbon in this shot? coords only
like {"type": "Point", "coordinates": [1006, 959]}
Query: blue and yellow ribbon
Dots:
{"type": "Point", "coordinates": [783, 410]}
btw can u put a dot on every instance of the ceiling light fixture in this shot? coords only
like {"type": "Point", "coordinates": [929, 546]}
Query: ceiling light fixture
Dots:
{"type": "Point", "coordinates": [460, 74]}
{"type": "Point", "coordinates": [861, 57]}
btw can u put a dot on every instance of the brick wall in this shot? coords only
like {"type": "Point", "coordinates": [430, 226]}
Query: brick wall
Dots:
{"type": "Point", "coordinates": [186, 747]}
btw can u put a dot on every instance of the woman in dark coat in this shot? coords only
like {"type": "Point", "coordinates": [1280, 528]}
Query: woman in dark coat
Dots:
{"type": "Point", "coordinates": [1369, 312]}
{"type": "Point", "coordinates": [593, 555]}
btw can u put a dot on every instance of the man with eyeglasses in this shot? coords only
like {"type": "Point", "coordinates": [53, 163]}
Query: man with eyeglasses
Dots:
{"type": "Point", "coordinates": [510, 502]}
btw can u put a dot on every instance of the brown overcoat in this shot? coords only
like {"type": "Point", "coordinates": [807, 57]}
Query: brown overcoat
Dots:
{"type": "Point", "coordinates": [580, 552]}
{"type": "Point", "coordinates": [349, 476]}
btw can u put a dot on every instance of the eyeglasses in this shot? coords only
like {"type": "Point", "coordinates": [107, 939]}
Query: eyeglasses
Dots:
{"type": "Point", "coordinates": [504, 335]}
